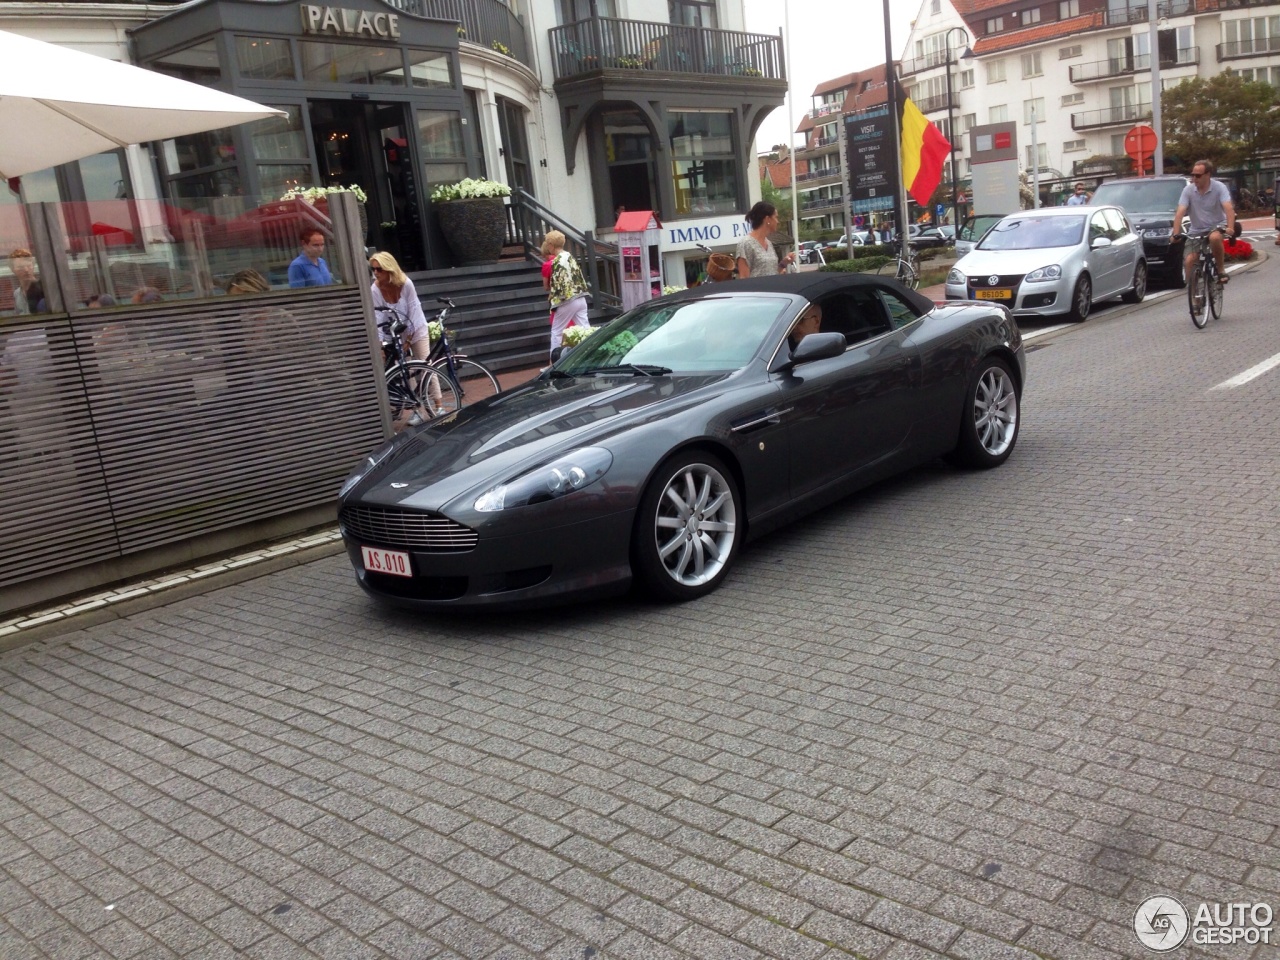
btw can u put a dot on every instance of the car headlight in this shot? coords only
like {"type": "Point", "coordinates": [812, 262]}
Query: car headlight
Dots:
{"type": "Point", "coordinates": [1051, 272]}
{"type": "Point", "coordinates": [955, 277]}
{"type": "Point", "coordinates": [371, 461]}
{"type": "Point", "coordinates": [1157, 233]}
{"type": "Point", "coordinates": [558, 478]}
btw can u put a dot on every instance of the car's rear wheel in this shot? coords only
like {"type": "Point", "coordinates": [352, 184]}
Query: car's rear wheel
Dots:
{"type": "Point", "coordinates": [1081, 300]}
{"type": "Point", "coordinates": [1139, 289]}
{"type": "Point", "coordinates": [989, 422]}
{"type": "Point", "coordinates": [688, 527]}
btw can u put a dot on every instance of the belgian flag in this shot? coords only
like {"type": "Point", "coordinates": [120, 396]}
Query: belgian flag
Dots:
{"type": "Point", "coordinates": [924, 150]}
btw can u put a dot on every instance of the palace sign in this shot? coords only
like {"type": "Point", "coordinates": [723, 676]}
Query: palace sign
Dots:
{"type": "Point", "coordinates": [349, 23]}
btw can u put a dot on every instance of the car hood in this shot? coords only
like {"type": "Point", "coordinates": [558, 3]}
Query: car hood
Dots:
{"type": "Point", "coordinates": [1005, 262]}
{"type": "Point", "coordinates": [496, 441]}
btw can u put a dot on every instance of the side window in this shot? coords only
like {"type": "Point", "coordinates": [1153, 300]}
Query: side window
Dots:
{"type": "Point", "coordinates": [1118, 225]}
{"type": "Point", "coordinates": [1098, 227]}
{"type": "Point", "coordinates": [901, 313]}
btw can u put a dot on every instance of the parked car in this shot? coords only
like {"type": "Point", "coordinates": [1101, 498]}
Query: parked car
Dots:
{"type": "Point", "coordinates": [973, 229]}
{"type": "Point", "coordinates": [1054, 261]}
{"type": "Point", "coordinates": [669, 437]}
{"type": "Point", "coordinates": [808, 251]}
{"type": "Point", "coordinates": [928, 237]}
{"type": "Point", "coordinates": [1150, 203]}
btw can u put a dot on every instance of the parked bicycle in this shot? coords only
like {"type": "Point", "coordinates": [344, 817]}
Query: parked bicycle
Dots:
{"type": "Point", "coordinates": [416, 391]}
{"type": "Point", "coordinates": [1204, 292]}
{"type": "Point", "coordinates": [471, 379]}
{"type": "Point", "coordinates": [906, 270]}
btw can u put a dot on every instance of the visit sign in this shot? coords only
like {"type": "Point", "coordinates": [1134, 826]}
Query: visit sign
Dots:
{"type": "Point", "coordinates": [349, 23]}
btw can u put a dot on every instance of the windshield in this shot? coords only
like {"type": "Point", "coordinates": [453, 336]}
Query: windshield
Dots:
{"type": "Point", "coordinates": [716, 334]}
{"type": "Point", "coordinates": [975, 227]}
{"type": "Point", "coordinates": [1034, 233]}
{"type": "Point", "coordinates": [1158, 197]}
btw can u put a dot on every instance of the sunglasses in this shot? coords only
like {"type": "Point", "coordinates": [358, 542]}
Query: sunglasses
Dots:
{"type": "Point", "coordinates": [1198, 175]}
{"type": "Point", "coordinates": [379, 270]}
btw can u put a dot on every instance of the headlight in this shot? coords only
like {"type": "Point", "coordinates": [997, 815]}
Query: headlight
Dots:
{"type": "Point", "coordinates": [1157, 233]}
{"type": "Point", "coordinates": [1051, 272]}
{"type": "Point", "coordinates": [563, 476]}
{"type": "Point", "coordinates": [369, 463]}
{"type": "Point", "coordinates": [956, 278]}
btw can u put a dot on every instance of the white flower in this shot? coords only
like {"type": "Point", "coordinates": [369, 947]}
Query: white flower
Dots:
{"type": "Point", "coordinates": [312, 194]}
{"type": "Point", "coordinates": [469, 189]}
{"type": "Point", "coordinates": [666, 290]}
{"type": "Point", "coordinates": [575, 335]}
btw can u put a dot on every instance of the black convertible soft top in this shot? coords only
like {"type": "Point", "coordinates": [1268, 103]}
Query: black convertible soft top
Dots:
{"type": "Point", "coordinates": [811, 285]}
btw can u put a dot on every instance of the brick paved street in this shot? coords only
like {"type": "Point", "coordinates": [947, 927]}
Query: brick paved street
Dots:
{"type": "Point", "coordinates": [980, 716]}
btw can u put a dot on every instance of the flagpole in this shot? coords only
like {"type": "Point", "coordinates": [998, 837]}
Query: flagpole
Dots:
{"type": "Point", "coordinates": [891, 78]}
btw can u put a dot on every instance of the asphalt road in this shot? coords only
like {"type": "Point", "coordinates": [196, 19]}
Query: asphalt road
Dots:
{"type": "Point", "coordinates": [972, 715]}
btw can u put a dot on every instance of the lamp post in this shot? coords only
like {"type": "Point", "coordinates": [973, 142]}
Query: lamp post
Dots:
{"type": "Point", "coordinates": [951, 126]}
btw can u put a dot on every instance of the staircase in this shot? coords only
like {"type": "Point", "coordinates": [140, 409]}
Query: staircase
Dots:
{"type": "Point", "coordinates": [502, 316]}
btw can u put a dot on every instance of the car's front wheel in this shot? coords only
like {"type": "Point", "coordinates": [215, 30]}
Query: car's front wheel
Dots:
{"type": "Point", "coordinates": [688, 527]}
{"type": "Point", "coordinates": [989, 421]}
{"type": "Point", "coordinates": [1081, 300]}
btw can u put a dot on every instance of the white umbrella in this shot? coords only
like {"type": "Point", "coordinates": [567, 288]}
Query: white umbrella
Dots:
{"type": "Point", "coordinates": [58, 105]}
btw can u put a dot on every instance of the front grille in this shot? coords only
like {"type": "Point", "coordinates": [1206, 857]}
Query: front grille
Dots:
{"type": "Point", "coordinates": [391, 527]}
{"type": "Point", "coordinates": [983, 281]}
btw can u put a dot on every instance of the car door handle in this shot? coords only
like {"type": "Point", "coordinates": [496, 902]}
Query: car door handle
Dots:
{"type": "Point", "coordinates": [768, 418]}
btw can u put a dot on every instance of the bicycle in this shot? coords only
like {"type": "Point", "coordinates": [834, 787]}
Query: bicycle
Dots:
{"type": "Point", "coordinates": [471, 379]}
{"type": "Point", "coordinates": [1204, 292]}
{"type": "Point", "coordinates": [905, 271]}
{"type": "Point", "coordinates": [416, 392]}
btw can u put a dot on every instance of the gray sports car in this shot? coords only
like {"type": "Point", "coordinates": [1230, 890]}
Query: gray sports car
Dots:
{"type": "Point", "coordinates": [656, 448]}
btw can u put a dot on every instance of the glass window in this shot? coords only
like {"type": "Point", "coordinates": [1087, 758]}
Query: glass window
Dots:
{"type": "Point", "coordinates": [431, 68]}
{"type": "Point", "coordinates": [1031, 65]}
{"type": "Point", "coordinates": [279, 138]}
{"type": "Point", "coordinates": [1033, 108]}
{"type": "Point", "coordinates": [443, 150]}
{"type": "Point", "coordinates": [261, 58]}
{"type": "Point", "coordinates": [995, 71]}
{"type": "Point", "coordinates": [703, 164]}
{"type": "Point", "coordinates": [351, 63]}
{"type": "Point", "coordinates": [275, 178]}
{"type": "Point", "coordinates": [998, 114]}
{"type": "Point", "coordinates": [1068, 9]}
{"type": "Point", "coordinates": [693, 13]}
{"type": "Point", "coordinates": [199, 64]}
{"type": "Point", "coordinates": [198, 150]}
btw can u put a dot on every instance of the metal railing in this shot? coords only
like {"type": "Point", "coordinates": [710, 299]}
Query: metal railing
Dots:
{"type": "Point", "coordinates": [825, 110]}
{"type": "Point", "coordinates": [1242, 49]}
{"type": "Point", "coordinates": [528, 222]}
{"type": "Point", "coordinates": [485, 22]}
{"type": "Point", "coordinates": [934, 104]}
{"type": "Point", "coordinates": [937, 58]}
{"type": "Point", "coordinates": [818, 175]}
{"type": "Point", "coordinates": [1111, 116]}
{"type": "Point", "coordinates": [822, 203]}
{"type": "Point", "coordinates": [1124, 66]}
{"type": "Point", "coordinates": [604, 43]}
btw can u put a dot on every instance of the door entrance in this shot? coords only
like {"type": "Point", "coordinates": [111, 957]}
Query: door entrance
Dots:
{"type": "Point", "coordinates": [367, 144]}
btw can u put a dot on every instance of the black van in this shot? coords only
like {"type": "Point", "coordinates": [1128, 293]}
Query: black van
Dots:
{"type": "Point", "coordinates": [1150, 203]}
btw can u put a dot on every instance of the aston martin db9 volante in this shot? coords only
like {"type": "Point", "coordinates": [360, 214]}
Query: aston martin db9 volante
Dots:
{"type": "Point", "coordinates": [663, 442]}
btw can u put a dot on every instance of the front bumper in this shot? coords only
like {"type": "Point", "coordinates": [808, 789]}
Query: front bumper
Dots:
{"type": "Point", "coordinates": [588, 557]}
{"type": "Point", "coordinates": [1039, 299]}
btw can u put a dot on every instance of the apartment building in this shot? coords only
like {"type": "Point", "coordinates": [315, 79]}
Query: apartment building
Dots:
{"type": "Point", "coordinates": [1074, 75]}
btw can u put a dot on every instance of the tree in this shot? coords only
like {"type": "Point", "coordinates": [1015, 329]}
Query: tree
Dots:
{"type": "Point", "coordinates": [780, 199]}
{"type": "Point", "coordinates": [1225, 119]}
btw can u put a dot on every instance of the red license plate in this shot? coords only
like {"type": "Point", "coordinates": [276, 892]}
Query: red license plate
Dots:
{"type": "Point", "coordinates": [394, 563]}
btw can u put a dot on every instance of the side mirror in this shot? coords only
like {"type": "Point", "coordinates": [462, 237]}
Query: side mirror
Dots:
{"type": "Point", "coordinates": [818, 346]}
{"type": "Point", "coordinates": [1099, 242]}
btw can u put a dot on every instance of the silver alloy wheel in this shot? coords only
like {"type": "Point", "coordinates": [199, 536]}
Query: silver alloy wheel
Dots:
{"type": "Point", "coordinates": [696, 524]}
{"type": "Point", "coordinates": [995, 411]}
{"type": "Point", "coordinates": [1084, 298]}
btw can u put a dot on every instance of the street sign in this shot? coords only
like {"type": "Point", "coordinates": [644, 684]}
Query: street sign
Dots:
{"type": "Point", "coordinates": [1140, 144]}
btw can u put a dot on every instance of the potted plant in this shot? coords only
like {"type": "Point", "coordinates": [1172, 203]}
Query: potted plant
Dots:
{"type": "Point", "coordinates": [501, 47]}
{"type": "Point", "coordinates": [472, 218]}
{"type": "Point", "coordinates": [318, 197]}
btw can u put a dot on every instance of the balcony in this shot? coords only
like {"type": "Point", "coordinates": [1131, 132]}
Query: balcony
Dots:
{"type": "Point", "coordinates": [486, 22]}
{"type": "Point", "coordinates": [1111, 116]}
{"type": "Point", "coordinates": [821, 204]}
{"type": "Point", "coordinates": [1245, 49]}
{"type": "Point", "coordinates": [1127, 66]}
{"type": "Point", "coordinates": [937, 58]}
{"type": "Point", "coordinates": [816, 177]}
{"type": "Point", "coordinates": [605, 45]}
{"type": "Point", "coordinates": [936, 104]}
{"type": "Point", "coordinates": [825, 110]}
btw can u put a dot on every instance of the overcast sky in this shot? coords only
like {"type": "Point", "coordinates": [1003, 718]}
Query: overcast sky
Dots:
{"type": "Point", "coordinates": [829, 38]}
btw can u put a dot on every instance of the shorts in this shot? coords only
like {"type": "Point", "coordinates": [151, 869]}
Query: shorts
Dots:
{"type": "Point", "coordinates": [1193, 244]}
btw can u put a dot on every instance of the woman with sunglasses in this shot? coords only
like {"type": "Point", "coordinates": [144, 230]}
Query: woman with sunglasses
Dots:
{"type": "Point", "coordinates": [391, 288]}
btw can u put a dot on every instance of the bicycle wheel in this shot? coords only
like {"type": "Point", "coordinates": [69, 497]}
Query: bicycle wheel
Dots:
{"type": "Point", "coordinates": [415, 387]}
{"type": "Point", "coordinates": [890, 268]}
{"type": "Point", "coordinates": [475, 382]}
{"type": "Point", "coordinates": [1216, 291]}
{"type": "Point", "coordinates": [1197, 299]}
{"type": "Point", "coordinates": [909, 274]}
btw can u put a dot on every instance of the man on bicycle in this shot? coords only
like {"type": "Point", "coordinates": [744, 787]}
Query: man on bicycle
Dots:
{"type": "Point", "coordinates": [1208, 201]}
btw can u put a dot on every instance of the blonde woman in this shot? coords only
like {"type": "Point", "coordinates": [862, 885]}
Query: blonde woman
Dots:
{"type": "Point", "coordinates": [391, 288]}
{"type": "Point", "coordinates": [568, 289]}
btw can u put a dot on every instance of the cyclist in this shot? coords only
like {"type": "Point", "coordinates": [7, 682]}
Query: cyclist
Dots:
{"type": "Point", "coordinates": [390, 288]}
{"type": "Point", "coordinates": [1208, 202]}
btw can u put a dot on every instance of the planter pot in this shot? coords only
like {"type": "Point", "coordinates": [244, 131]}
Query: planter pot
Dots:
{"type": "Point", "coordinates": [474, 229]}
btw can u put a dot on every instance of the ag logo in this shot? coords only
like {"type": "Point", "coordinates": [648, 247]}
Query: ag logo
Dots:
{"type": "Point", "coordinates": [1161, 923]}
